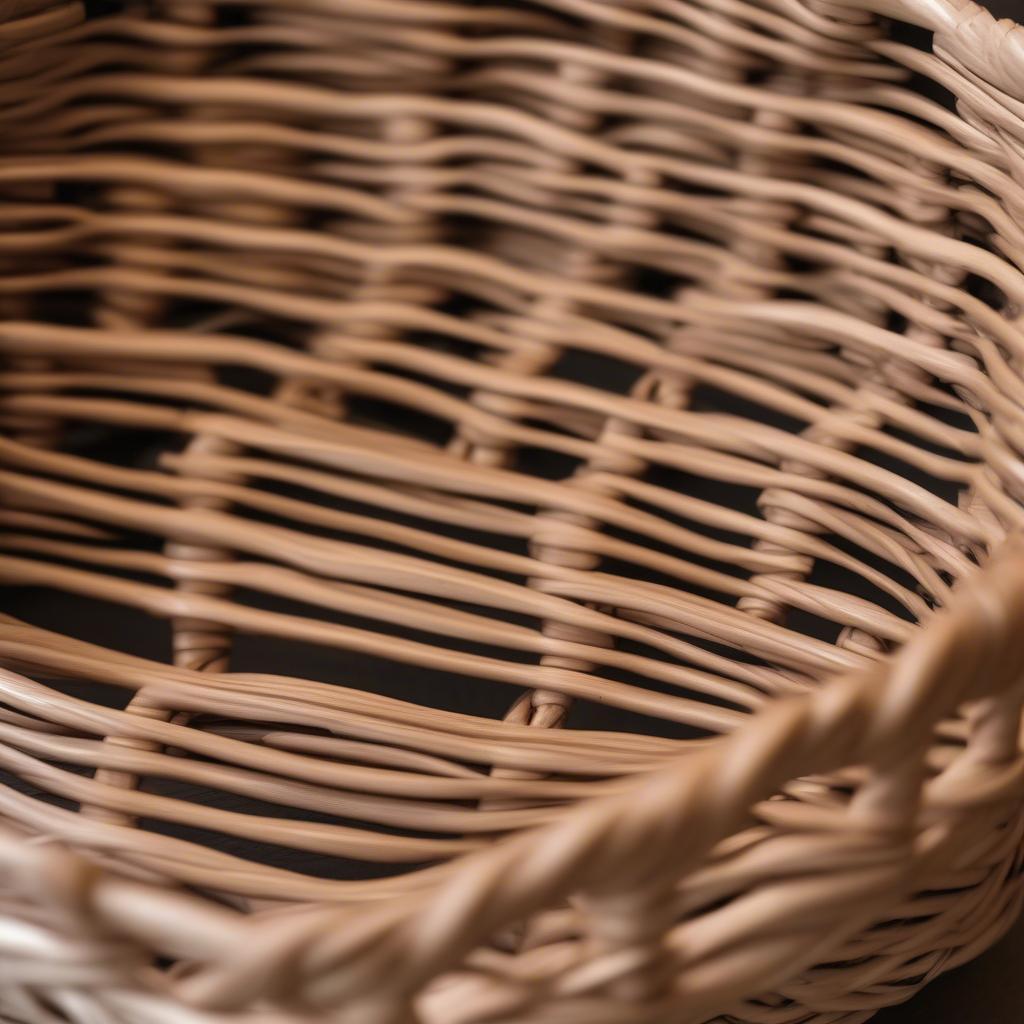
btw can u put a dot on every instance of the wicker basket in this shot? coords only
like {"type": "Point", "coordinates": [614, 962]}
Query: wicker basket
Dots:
{"type": "Point", "coordinates": [658, 359]}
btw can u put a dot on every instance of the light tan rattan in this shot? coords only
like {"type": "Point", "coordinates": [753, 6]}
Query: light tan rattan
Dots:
{"type": "Point", "coordinates": [664, 355]}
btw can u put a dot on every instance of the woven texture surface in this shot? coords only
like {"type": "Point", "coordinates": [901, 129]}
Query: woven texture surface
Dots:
{"type": "Point", "coordinates": [653, 367]}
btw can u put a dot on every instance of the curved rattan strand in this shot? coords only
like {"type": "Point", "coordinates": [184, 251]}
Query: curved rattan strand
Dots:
{"type": "Point", "coordinates": [650, 370]}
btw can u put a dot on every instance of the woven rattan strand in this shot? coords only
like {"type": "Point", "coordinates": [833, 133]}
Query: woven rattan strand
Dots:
{"type": "Point", "coordinates": [648, 370]}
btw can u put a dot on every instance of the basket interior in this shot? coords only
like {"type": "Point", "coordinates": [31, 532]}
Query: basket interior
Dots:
{"type": "Point", "coordinates": [492, 369]}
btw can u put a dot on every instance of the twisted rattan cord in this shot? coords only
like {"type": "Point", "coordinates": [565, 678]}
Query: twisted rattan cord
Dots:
{"type": "Point", "coordinates": [974, 627]}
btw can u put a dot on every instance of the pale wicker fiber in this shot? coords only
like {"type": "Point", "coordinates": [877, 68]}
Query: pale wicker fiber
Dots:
{"type": "Point", "coordinates": [658, 357]}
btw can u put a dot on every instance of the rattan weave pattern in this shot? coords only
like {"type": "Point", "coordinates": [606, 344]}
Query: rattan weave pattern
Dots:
{"type": "Point", "coordinates": [657, 355]}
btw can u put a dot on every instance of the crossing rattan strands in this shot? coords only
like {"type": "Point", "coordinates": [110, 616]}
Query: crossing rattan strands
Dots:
{"type": "Point", "coordinates": [662, 356]}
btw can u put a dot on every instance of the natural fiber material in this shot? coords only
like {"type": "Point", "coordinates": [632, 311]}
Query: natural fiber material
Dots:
{"type": "Point", "coordinates": [656, 356]}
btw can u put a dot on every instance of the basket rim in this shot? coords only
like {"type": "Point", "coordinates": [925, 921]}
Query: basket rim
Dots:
{"type": "Point", "coordinates": [970, 652]}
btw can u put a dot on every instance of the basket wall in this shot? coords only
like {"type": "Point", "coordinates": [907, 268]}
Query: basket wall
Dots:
{"type": "Point", "coordinates": [548, 440]}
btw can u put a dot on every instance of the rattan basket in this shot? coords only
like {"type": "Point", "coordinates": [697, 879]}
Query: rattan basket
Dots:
{"type": "Point", "coordinates": [575, 450]}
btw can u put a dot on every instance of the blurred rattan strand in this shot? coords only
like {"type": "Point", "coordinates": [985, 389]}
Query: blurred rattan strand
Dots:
{"type": "Point", "coordinates": [609, 351]}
